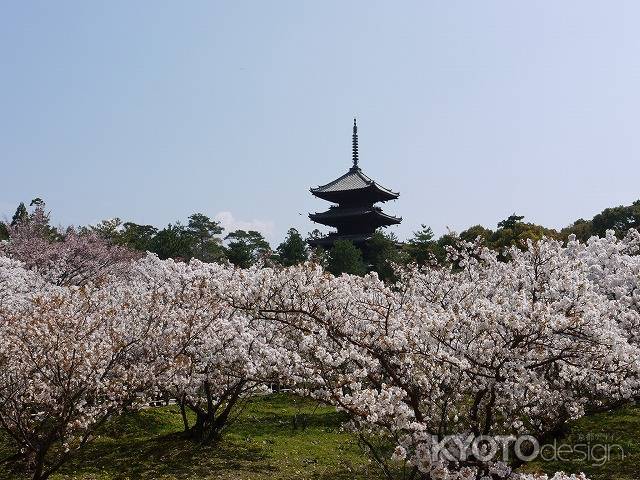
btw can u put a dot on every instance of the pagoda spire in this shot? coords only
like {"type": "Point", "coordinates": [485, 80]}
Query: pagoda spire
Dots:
{"type": "Point", "coordinates": [355, 144]}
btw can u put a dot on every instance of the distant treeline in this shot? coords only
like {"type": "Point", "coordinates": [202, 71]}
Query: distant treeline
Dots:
{"type": "Point", "coordinates": [205, 239]}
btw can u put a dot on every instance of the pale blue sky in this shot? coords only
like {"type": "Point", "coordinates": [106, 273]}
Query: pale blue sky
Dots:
{"type": "Point", "coordinates": [472, 110]}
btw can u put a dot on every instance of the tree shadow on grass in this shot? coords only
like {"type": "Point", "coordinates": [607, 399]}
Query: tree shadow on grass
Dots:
{"type": "Point", "coordinates": [169, 455]}
{"type": "Point", "coordinates": [283, 423]}
{"type": "Point", "coordinates": [262, 444]}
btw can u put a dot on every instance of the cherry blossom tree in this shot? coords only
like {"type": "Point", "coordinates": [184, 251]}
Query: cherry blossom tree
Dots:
{"type": "Point", "coordinates": [72, 258]}
{"type": "Point", "coordinates": [70, 357]}
{"type": "Point", "coordinates": [485, 348]}
{"type": "Point", "coordinates": [480, 349]}
{"type": "Point", "coordinates": [216, 355]}
{"type": "Point", "coordinates": [614, 267]}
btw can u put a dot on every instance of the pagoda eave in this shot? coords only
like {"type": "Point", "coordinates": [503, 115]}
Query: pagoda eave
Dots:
{"type": "Point", "coordinates": [372, 194]}
{"type": "Point", "coordinates": [330, 239]}
{"type": "Point", "coordinates": [355, 183]}
{"type": "Point", "coordinates": [371, 217]}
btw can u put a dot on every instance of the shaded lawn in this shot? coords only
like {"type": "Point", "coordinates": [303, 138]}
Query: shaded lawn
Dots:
{"type": "Point", "coordinates": [261, 444]}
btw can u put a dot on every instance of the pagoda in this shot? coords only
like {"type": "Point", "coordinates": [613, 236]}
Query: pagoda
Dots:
{"type": "Point", "coordinates": [354, 215]}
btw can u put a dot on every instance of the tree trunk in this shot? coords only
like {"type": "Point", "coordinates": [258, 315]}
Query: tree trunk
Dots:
{"type": "Point", "coordinates": [197, 431]}
{"type": "Point", "coordinates": [208, 426]}
{"type": "Point", "coordinates": [183, 413]}
{"type": "Point", "coordinates": [38, 467]}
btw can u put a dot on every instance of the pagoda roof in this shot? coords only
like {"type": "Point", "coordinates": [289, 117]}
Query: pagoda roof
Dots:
{"type": "Point", "coordinates": [353, 181]}
{"type": "Point", "coordinates": [330, 239]}
{"type": "Point", "coordinates": [338, 215]}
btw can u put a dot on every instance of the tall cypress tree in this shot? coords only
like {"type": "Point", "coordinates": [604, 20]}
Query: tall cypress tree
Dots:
{"type": "Point", "coordinates": [20, 216]}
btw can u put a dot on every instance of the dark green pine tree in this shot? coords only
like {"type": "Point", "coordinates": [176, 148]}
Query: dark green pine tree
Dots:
{"type": "Point", "coordinates": [345, 257]}
{"type": "Point", "coordinates": [245, 248]}
{"type": "Point", "coordinates": [381, 253]}
{"type": "Point", "coordinates": [620, 219]}
{"type": "Point", "coordinates": [108, 229]}
{"type": "Point", "coordinates": [511, 221]}
{"type": "Point", "coordinates": [293, 250]}
{"type": "Point", "coordinates": [421, 247]}
{"type": "Point", "coordinates": [20, 216]}
{"type": "Point", "coordinates": [171, 242]}
{"type": "Point", "coordinates": [138, 237]}
{"type": "Point", "coordinates": [206, 245]}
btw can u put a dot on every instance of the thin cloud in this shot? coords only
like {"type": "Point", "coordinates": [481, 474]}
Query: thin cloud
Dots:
{"type": "Point", "coordinates": [230, 223]}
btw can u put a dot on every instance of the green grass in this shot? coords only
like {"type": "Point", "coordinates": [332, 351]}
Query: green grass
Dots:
{"type": "Point", "coordinates": [262, 444]}
{"type": "Point", "coordinates": [619, 429]}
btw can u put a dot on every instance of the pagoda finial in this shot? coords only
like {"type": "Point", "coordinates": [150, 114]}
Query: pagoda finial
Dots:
{"type": "Point", "coordinates": [355, 144]}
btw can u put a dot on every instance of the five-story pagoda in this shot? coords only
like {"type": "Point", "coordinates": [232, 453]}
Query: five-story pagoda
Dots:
{"type": "Point", "coordinates": [355, 216]}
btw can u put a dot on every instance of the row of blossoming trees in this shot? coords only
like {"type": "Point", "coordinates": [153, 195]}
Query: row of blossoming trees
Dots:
{"type": "Point", "coordinates": [481, 348]}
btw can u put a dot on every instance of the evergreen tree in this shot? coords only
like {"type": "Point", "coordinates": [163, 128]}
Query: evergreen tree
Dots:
{"type": "Point", "coordinates": [108, 229]}
{"type": "Point", "coordinates": [40, 221]}
{"type": "Point", "coordinates": [511, 221]}
{"type": "Point", "coordinates": [245, 248]}
{"type": "Point", "coordinates": [620, 219]}
{"type": "Point", "coordinates": [477, 231]}
{"type": "Point", "coordinates": [382, 253]}
{"type": "Point", "coordinates": [21, 215]}
{"type": "Point", "coordinates": [138, 237]}
{"type": "Point", "coordinates": [345, 257]}
{"type": "Point", "coordinates": [206, 246]}
{"type": "Point", "coordinates": [172, 242]}
{"type": "Point", "coordinates": [581, 228]}
{"type": "Point", "coordinates": [314, 234]}
{"type": "Point", "coordinates": [514, 232]}
{"type": "Point", "coordinates": [421, 246]}
{"type": "Point", "coordinates": [293, 250]}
